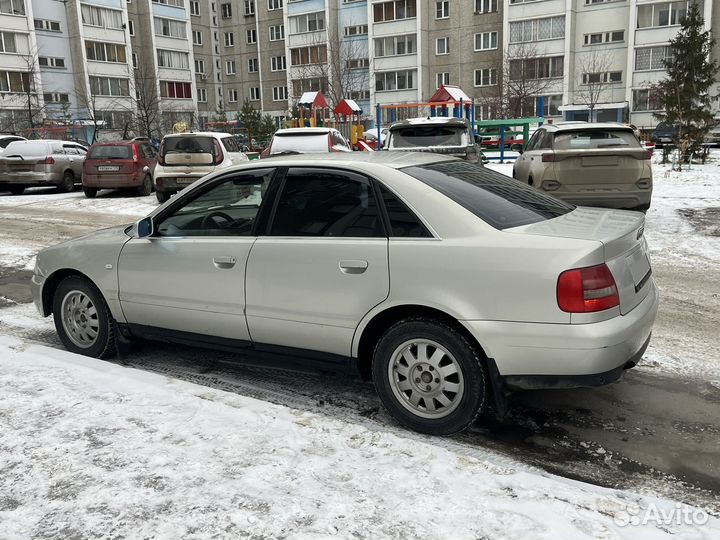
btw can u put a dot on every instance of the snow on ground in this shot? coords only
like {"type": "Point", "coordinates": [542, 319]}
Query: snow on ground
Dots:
{"type": "Point", "coordinates": [91, 449]}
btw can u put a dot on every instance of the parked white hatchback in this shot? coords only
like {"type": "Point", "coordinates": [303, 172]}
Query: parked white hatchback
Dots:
{"type": "Point", "coordinates": [186, 157]}
{"type": "Point", "coordinates": [446, 283]}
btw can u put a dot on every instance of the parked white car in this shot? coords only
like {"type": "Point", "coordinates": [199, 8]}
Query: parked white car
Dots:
{"type": "Point", "coordinates": [186, 157]}
{"type": "Point", "coordinates": [319, 140]}
{"type": "Point", "coordinates": [446, 283]}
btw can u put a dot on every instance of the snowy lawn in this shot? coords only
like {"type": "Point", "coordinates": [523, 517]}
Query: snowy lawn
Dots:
{"type": "Point", "coordinates": [90, 449]}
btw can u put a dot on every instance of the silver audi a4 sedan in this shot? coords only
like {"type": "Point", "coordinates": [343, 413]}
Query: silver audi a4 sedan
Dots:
{"type": "Point", "coordinates": [446, 283]}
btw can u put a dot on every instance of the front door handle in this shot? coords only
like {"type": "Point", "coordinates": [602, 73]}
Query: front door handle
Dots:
{"type": "Point", "coordinates": [353, 266]}
{"type": "Point", "coordinates": [224, 262]}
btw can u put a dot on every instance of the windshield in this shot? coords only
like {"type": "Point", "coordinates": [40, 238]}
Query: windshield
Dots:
{"type": "Point", "coordinates": [498, 200]}
{"type": "Point", "coordinates": [595, 138]}
{"type": "Point", "coordinates": [424, 136]}
{"type": "Point", "coordinates": [111, 152]}
{"type": "Point", "coordinates": [27, 148]}
{"type": "Point", "coordinates": [300, 142]}
{"type": "Point", "coordinates": [188, 145]}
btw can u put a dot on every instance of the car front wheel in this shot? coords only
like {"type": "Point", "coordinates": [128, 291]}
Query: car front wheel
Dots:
{"type": "Point", "coordinates": [68, 183]}
{"type": "Point", "coordinates": [430, 377]}
{"type": "Point", "coordinates": [146, 187]}
{"type": "Point", "coordinates": [82, 318]}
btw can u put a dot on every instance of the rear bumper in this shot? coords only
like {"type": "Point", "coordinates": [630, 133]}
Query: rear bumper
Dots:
{"type": "Point", "coordinates": [31, 178]}
{"type": "Point", "coordinates": [111, 180]}
{"type": "Point", "coordinates": [529, 355]}
{"type": "Point", "coordinates": [174, 183]}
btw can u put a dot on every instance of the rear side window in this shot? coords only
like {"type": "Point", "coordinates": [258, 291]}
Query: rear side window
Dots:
{"type": "Point", "coordinates": [230, 144]}
{"type": "Point", "coordinates": [403, 222]}
{"type": "Point", "coordinates": [595, 138]}
{"type": "Point", "coordinates": [110, 152]}
{"type": "Point", "coordinates": [496, 199]}
{"type": "Point", "coordinates": [323, 202]}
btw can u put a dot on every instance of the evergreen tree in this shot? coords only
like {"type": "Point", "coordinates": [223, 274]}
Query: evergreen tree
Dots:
{"type": "Point", "coordinates": [684, 95]}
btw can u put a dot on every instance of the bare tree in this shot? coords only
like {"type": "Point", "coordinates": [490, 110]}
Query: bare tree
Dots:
{"type": "Point", "coordinates": [25, 83]}
{"type": "Point", "coordinates": [145, 106]}
{"type": "Point", "coordinates": [594, 80]}
{"type": "Point", "coordinates": [525, 75]}
{"type": "Point", "coordinates": [87, 101]}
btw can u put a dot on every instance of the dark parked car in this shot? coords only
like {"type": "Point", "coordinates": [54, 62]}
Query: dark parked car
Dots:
{"type": "Point", "coordinates": [440, 135]}
{"type": "Point", "coordinates": [664, 134]}
{"type": "Point", "coordinates": [120, 164]}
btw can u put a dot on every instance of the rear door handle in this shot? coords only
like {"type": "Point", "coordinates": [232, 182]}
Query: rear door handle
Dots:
{"type": "Point", "coordinates": [353, 266]}
{"type": "Point", "coordinates": [224, 262]}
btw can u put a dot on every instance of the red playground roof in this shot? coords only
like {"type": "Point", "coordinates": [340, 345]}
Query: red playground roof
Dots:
{"type": "Point", "coordinates": [450, 93]}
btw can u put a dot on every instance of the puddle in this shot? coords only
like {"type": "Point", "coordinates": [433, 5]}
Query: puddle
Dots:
{"type": "Point", "coordinates": [705, 220]}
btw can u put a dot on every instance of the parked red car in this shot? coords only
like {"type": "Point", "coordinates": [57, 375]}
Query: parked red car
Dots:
{"type": "Point", "coordinates": [119, 164]}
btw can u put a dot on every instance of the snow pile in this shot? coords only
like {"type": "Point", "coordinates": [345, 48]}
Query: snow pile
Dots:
{"type": "Point", "coordinates": [91, 449]}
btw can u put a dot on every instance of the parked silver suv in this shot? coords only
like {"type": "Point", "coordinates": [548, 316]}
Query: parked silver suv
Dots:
{"type": "Point", "coordinates": [41, 163]}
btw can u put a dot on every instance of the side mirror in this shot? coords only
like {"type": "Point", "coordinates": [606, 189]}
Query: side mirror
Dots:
{"type": "Point", "coordinates": [145, 227]}
{"type": "Point", "coordinates": [517, 147]}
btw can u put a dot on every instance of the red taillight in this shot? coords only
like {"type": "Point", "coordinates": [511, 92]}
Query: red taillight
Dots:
{"type": "Point", "coordinates": [47, 161]}
{"type": "Point", "coordinates": [586, 290]}
{"type": "Point", "coordinates": [648, 155]}
{"type": "Point", "coordinates": [136, 156]}
{"type": "Point", "coordinates": [548, 158]}
{"type": "Point", "coordinates": [218, 153]}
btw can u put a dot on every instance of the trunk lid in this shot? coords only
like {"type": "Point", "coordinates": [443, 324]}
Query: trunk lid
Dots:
{"type": "Point", "coordinates": [622, 236]}
{"type": "Point", "coordinates": [599, 166]}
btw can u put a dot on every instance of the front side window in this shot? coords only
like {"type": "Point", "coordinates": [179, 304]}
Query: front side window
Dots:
{"type": "Point", "coordinates": [323, 202]}
{"type": "Point", "coordinates": [226, 209]}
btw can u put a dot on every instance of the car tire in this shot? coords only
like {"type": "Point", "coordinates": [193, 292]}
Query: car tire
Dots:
{"type": "Point", "coordinates": [423, 364]}
{"type": "Point", "coordinates": [642, 207]}
{"type": "Point", "coordinates": [16, 190]}
{"type": "Point", "coordinates": [146, 187]}
{"type": "Point", "coordinates": [530, 180]}
{"type": "Point", "coordinates": [162, 196]}
{"type": "Point", "coordinates": [90, 192]}
{"type": "Point", "coordinates": [68, 183]}
{"type": "Point", "coordinates": [82, 318]}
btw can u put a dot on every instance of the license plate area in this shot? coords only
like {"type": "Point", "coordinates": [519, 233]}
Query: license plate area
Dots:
{"type": "Point", "coordinates": [599, 161]}
{"type": "Point", "coordinates": [184, 181]}
{"type": "Point", "coordinates": [108, 168]}
{"type": "Point", "coordinates": [639, 265]}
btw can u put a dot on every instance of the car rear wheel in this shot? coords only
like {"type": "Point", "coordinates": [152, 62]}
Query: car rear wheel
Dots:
{"type": "Point", "coordinates": [16, 190]}
{"type": "Point", "coordinates": [146, 187]}
{"type": "Point", "coordinates": [430, 377]}
{"type": "Point", "coordinates": [82, 318]}
{"type": "Point", "coordinates": [162, 196]}
{"type": "Point", "coordinates": [90, 192]}
{"type": "Point", "coordinates": [68, 182]}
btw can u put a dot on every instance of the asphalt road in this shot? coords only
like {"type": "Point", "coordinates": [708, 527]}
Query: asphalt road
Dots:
{"type": "Point", "coordinates": [655, 431]}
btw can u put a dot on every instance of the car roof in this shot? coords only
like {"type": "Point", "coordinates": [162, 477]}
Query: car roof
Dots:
{"type": "Point", "coordinates": [116, 143]}
{"type": "Point", "coordinates": [215, 134]}
{"type": "Point", "coordinates": [304, 131]}
{"type": "Point", "coordinates": [575, 126]}
{"type": "Point", "coordinates": [429, 121]}
{"type": "Point", "coordinates": [394, 160]}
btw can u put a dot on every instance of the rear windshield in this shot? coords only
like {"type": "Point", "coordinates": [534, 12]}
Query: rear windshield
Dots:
{"type": "Point", "coordinates": [595, 138]}
{"type": "Point", "coordinates": [424, 136]}
{"type": "Point", "coordinates": [27, 148]}
{"type": "Point", "coordinates": [188, 145]}
{"type": "Point", "coordinates": [110, 152]}
{"type": "Point", "coordinates": [498, 200]}
{"type": "Point", "coordinates": [300, 142]}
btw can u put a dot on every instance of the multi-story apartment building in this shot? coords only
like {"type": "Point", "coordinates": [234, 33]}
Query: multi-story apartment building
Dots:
{"type": "Point", "coordinates": [196, 61]}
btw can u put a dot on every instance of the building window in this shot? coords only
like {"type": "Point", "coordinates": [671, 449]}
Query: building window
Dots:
{"type": "Point", "coordinates": [251, 36]}
{"type": "Point", "coordinates": [537, 68]}
{"type": "Point", "coordinates": [396, 80]}
{"type": "Point", "coordinates": [255, 93]}
{"type": "Point", "coordinates": [486, 77]}
{"type": "Point", "coordinates": [195, 8]}
{"type": "Point", "coordinates": [199, 67]}
{"type": "Point", "coordinates": [360, 95]}
{"type": "Point", "coordinates": [229, 38]}
{"type": "Point", "coordinates": [96, 16]}
{"type": "Point", "coordinates": [442, 78]}
{"type": "Point", "coordinates": [275, 4]}
{"type": "Point", "coordinates": [537, 29]}
{"type": "Point", "coordinates": [307, 22]}
{"type": "Point", "coordinates": [647, 58]}
{"type": "Point", "coordinates": [442, 9]}
{"type": "Point", "coordinates": [277, 63]}
{"type": "Point", "coordinates": [665, 14]}
{"type": "Point", "coordinates": [442, 45]}
{"type": "Point", "coordinates": [617, 36]}
{"type": "Point", "coordinates": [48, 26]}
{"type": "Point", "coordinates": [486, 6]}
{"type": "Point", "coordinates": [249, 8]}
{"type": "Point", "coordinates": [396, 45]}
{"type": "Point", "coordinates": [591, 2]}
{"type": "Point", "coordinates": [51, 62]}
{"type": "Point", "coordinates": [309, 84]}
{"type": "Point", "coordinates": [173, 59]}
{"type": "Point", "coordinates": [280, 93]}
{"type": "Point", "coordinates": [304, 56]}
{"type": "Point", "coordinates": [394, 11]}
{"type": "Point", "coordinates": [131, 27]}
{"type": "Point", "coordinates": [645, 100]}
{"type": "Point", "coordinates": [176, 3]}
{"type": "Point", "coordinates": [202, 95]}
{"type": "Point", "coordinates": [170, 28]}
{"type": "Point", "coordinates": [358, 30]}
{"type": "Point", "coordinates": [602, 77]}
{"type": "Point", "coordinates": [13, 43]}
{"type": "Point", "coordinates": [197, 37]}
{"type": "Point", "coordinates": [54, 97]}
{"type": "Point", "coordinates": [226, 10]}
{"type": "Point", "coordinates": [230, 67]}
{"type": "Point", "coordinates": [551, 105]}
{"type": "Point", "coordinates": [358, 63]}
{"type": "Point", "coordinates": [175, 90]}
{"type": "Point", "coordinates": [109, 86]}
{"type": "Point", "coordinates": [232, 95]}
{"type": "Point", "coordinates": [105, 52]}
{"type": "Point", "coordinates": [277, 32]}
{"type": "Point", "coordinates": [485, 41]}
{"type": "Point", "coordinates": [134, 57]}
{"type": "Point", "coordinates": [12, 7]}
{"type": "Point", "coordinates": [252, 65]}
